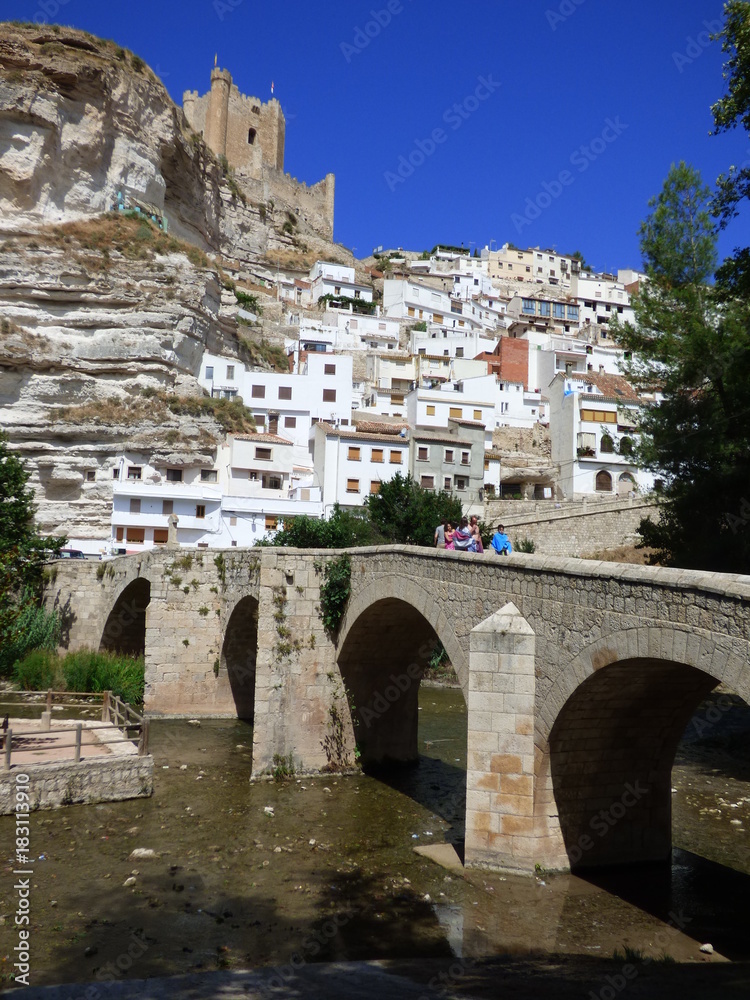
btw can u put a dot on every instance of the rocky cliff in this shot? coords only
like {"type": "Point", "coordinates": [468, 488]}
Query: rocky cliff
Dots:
{"type": "Point", "coordinates": [98, 308]}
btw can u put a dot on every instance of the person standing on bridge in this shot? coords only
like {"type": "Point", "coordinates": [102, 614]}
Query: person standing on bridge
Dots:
{"type": "Point", "coordinates": [500, 542]}
{"type": "Point", "coordinates": [440, 535]}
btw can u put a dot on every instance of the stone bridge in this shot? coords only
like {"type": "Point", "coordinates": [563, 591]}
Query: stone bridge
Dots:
{"type": "Point", "coordinates": [579, 677]}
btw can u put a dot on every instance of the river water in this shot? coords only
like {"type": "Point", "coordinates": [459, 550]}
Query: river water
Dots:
{"type": "Point", "coordinates": [324, 868]}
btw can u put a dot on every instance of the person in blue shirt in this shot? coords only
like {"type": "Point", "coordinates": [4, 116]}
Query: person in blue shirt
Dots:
{"type": "Point", "coordinates": [500, 542]}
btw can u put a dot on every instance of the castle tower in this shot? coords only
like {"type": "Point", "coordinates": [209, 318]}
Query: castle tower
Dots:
{"type": "Point", "coordinates": [217, 114]}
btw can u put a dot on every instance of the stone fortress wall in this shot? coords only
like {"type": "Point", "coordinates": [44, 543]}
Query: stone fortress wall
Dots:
{"type": "Point", "coordinates": [251, 135]}
{"type": "Point", "coordinates": [575, 529]}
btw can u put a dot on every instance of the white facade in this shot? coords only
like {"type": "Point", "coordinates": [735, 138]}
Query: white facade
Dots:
{"type": "Point", "coordinates": [350, 465]}
{"type": "Point", "coordinates": [452, 343]}
{"type": "Point", "coordinates": [287, 403]}
{"type": "Point", "coordinates": [236, 501]}
{"type": "Point", "coordinates": [592, 419]}
{"type": "Point", "coordinates": [601, 299]}
{"type": "Point", "coordinates": [336, 279]}
{"type": "Point", "coordinates": [407, 300]}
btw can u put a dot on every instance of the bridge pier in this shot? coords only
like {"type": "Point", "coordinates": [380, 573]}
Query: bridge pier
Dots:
{"type": "Point", "coordinates": [500, 831]}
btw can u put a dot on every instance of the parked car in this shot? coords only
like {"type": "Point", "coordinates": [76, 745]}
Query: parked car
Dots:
{"type": "Point", "coordinates": [71, 554]}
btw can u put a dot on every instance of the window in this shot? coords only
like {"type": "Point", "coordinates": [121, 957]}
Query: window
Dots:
{"type": "Point", "coordinates": [119, 534]}
{"type": "Point", "coordinates": [465, 457]}
{"type": "Point", "coordinates": [329, 395]}
{"type": "Point", "coordinates": [430, 410]}
{"type": "Point", "coordinates": [352, 486]}
{"type": "Point", "coordinates": [459, 352]}
{"type": "Point", "coordinates": [448, 454]}
{"type": "Point", "coordinates": [337, 289]}
{"type": "Point", "coordinates": [329, 369]}
{"type": "Point", "coordinates": [136, 535]}
{"type": "Point", "coordinates": [558, 310]}
{"type": "Point", "coordinates": [258, 392]}
{"type": "Point", "coordinates": [354, 455]}
{"type": "Point", "coordinates": [477, 414]}
{"type": "Point", "coordinates": [251, 133]}
{"type": "Point", "coordinates": [90, 475]}
{"type": "Point", "coordinates": [395, 458]}
{"type": "Point", "coordinates": [573, 313]}
{"type": "Point", "coordinates": [134, 472]}
{"type": "Point", "coordinates": [357, 293]}
{"type": "Point", "coordinates": [290, 421]}
{"type": "Point", "coordinates": [161, 536]}
{"type": "Point", "coordinates": [263, 453]}
{"type": "Point", "coordinates": [422, 454]}
{"type": "Point", "coordinates": [599, 416]}
{"type": "Point", "coordinates": [438, 318]}
{"type": "Point", "coordinates": [528, 306]}
{"type": "Point", "coordinates": [260, 419]}
{"type": "Point", "coordinates": [135, 505]}
{"type": "Point", "coordinates": [167, 506]}
{"type": "Point", "coordinates": [544, 309]}
{"type": "Point", "coordinates": [285, 392]}
{"type": "Point", "coordinates": [375, 486]}
{"type": "Point", "coordinates": [210, 371]}
{"type": "Point", "coordinates": [460, 483]}
{"type": "Point", "coordinates": [376, 455]}
{"type": "Point", "coordinates": [115, 473]}
{"type": "Point", "coordinates": [230, 373]}
{"type": "Point", "coordinates": [447, 483]}
{"type": "Point", "coordinates": [427, 482]}
{"type": "Point", "coordinates": [209, 476]}
{"type": "Point", "coordinates": [272, 522]}
{"type": "Point", "coordinates": [174, 475]}
{"type": "Point", "coordinates": [271, 482]}
{"type": "Point", "coordinates": [456, 411]}
{"type": "Point", "coordinates": [200, 510]}
{"type": "Point", "coordinates": [603, 482]}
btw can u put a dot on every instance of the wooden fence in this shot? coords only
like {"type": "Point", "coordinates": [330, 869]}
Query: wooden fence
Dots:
{"type": "Point", "coordinates": [118, 715]}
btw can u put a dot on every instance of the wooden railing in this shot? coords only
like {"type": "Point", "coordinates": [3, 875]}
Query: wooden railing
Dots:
{"type": "Point", "coordinates": [119, 716]}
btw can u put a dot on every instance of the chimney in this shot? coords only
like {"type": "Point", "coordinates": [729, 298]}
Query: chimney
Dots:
{"type": "Point", "coordinates": [601, 369]}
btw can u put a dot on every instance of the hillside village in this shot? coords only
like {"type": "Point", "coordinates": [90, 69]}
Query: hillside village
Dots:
{"type": "Point", "coordinates": [196, 269]}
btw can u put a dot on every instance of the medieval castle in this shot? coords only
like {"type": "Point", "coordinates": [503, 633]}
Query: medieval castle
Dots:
{"type": "Point", "coordinates": [251, 135]}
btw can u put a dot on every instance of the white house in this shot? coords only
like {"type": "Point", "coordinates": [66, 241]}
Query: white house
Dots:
{"type": "Point", "coordinates": [234, 501]}
{"type": "Point", "coordinates": [601, 298]}
{"type": "Point", "coordinates": [336, 280]}
{"type": "Point", "coordinates": [286, 403]}
{"type": "Point", "coordinates": [351, 463]}
{"type": "Point", "coordinates": [593, 434]}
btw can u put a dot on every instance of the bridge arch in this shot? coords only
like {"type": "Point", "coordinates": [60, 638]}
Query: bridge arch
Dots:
{"type": "Point", "coordinates": [385, 645]}
{"type": "Point", "coordinates": [125, 629]}
{"type": "Point", "coordinates": [239, 654]}
{"type": "Point", "coordinates": [607, 735]}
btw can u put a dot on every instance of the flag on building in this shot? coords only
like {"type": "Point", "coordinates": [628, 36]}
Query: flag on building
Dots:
{"type": "Point", "coordinates": [271, 86]}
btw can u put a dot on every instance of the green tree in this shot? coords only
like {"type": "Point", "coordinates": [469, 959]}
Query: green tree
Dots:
{"type": "Point", "coordinates": [733, 109]}
{"type": "Point", "coordinates": [342, 530]}
{"type": "Point", "coordinates": [692, 344]}
{"type": "Point", "coordinates": [403, 512]}
{"type": "Point", "coordinates": [24, 624]}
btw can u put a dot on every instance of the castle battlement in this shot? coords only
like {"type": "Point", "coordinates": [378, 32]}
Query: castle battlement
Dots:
{"type": "Point", "coordinates": [251, 134]}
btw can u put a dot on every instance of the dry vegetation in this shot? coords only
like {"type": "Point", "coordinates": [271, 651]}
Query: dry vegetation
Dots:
{"type": "Point", "coordinates": [624, 554]}
{"type": "Point", "coordinates": [156, 407]}
{"type": "Point", "coordinates": [261, 352]}
{"type": "Point", "coordinates": [128, 233]}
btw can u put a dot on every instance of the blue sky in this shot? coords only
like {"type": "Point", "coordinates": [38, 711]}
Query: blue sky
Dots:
{"type": "Point", "coordinates": [546, 122]}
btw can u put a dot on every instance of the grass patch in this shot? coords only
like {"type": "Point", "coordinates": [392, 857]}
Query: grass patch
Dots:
{"type": "Point", "coordinates": [82, 670]}
{"type": "Point", "coordinates": [128, 233]}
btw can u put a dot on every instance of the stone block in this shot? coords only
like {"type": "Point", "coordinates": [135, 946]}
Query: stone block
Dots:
{"type": "Point", "coordinates": [506, 764]}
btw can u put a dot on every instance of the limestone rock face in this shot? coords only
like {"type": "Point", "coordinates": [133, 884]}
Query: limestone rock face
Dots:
{"type": "Point", "coordinates": [97, 308]}
{"type": "Point", "coordinates": [80, 341]}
